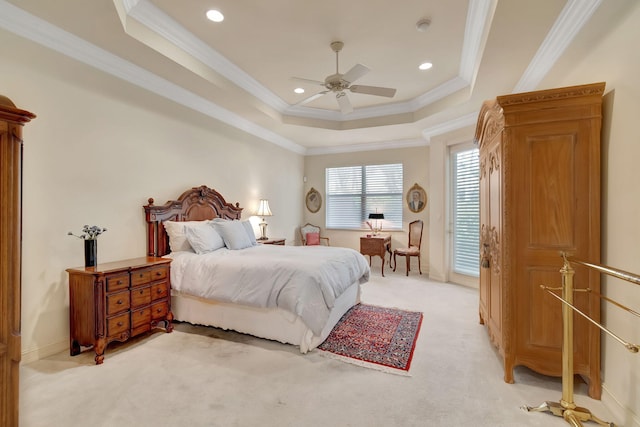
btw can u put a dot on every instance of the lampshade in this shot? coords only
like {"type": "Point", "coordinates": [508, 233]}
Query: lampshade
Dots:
{"type": "Point", "coordinates": [263, 208]}
{"type": "Point", "coordinates": [376, 216]}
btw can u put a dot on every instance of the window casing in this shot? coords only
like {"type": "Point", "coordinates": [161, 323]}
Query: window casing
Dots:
{"type": "Point", "coordinates": [353, 192]}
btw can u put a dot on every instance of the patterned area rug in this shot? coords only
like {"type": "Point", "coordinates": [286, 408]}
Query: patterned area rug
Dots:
{"type": "Point", "coordinates": [375, 337]}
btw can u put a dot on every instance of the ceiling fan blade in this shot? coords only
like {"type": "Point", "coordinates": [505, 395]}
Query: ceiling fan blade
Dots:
{"type": "Point", "coordinates": [355, 73]}
{"type": "Point", "coordinates": [344, 103]}
{"type": "Point", "coordinates": [373, 90]}
{"type": "Point", "coordinates": [312, 97]}
{"type": "Point", "coordinates": [313, 82]}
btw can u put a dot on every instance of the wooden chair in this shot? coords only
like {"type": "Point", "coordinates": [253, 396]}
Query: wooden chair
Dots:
{"type": "Point", "coordinates": [310, 235]}
{"type": "Point", "coordinates": [415, 240]}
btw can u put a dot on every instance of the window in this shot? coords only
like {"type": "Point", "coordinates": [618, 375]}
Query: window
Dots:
{"type": "Point", "coordinates": [354, 192]}
{"type": "Point", "coordinates": [466, 212]}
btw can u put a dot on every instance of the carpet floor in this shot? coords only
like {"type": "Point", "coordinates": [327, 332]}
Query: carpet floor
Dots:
{"type": "Point", "coordinates": [199, 376]}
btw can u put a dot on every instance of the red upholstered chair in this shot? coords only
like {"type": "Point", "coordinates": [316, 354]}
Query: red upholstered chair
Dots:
{"type": "Point", "coordinates": [415, 240]}
{"type": "Point", "coordinates": [310, 235]}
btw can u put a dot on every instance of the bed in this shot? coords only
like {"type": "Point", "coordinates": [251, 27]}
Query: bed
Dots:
{"type": "Point", "coordinates": [290, 294]}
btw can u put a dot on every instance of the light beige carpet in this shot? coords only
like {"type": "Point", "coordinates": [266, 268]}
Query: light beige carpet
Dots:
{"type": "Point", "coordinates": [200, 376]}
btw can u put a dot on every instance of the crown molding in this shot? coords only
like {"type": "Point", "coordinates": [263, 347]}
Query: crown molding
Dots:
{"type": "Point", "coordinates": [479, 17]}
{"type": "Point", "coordinates": [23, 24]}
{"type": "Point", "coordinates": [450, 125]}
{"type": "Point", "coordinates": [572, 18]}
{"type": "Point", "coordinates": [372, 146]}
{"type": "Point", "coordinates": [574, 15]}
{"type": "Point", "coordinates": [171, 31]}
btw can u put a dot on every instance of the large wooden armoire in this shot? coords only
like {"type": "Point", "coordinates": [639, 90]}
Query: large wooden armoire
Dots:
{"type": "Point", "coordinates": [539, 196]}
{"type": "Point", "coordinates": [11, 122]}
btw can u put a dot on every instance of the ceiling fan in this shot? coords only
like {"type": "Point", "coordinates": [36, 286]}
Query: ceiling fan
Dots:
{"type": "Point", "coordinates": [339, 83]}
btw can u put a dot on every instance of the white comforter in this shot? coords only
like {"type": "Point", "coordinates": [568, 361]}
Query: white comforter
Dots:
{"type": "Point", "coordinates": [304, 280]}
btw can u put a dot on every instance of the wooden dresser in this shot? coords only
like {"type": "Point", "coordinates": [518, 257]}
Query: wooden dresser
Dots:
{"type": "Point", "coordinates": [540, 195]}
{"type": "Point", "coordinates": [12, 120]}
{"type": "Point", "coordinates": [116, 301]}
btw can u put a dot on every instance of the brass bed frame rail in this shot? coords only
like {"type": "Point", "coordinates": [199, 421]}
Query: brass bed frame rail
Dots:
{"type": "Point", "coordinates": [566, 408]}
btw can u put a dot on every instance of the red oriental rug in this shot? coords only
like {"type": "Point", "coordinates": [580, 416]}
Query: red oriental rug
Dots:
{"type": "Point", "coordinates": [375, 337]}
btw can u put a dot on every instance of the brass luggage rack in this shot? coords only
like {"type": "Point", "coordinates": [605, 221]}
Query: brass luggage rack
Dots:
{"type": "Point", "coordinates": [566, 408]}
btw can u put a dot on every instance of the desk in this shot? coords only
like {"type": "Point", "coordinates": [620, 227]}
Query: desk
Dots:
{"type": "Point", "coordinates": [376, 245]}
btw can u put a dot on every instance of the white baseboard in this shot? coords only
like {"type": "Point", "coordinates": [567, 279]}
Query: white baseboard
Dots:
{"type": "Point", "coordinates": [624, 416]}
{"type": "Point", "coordinates": [45, 351]}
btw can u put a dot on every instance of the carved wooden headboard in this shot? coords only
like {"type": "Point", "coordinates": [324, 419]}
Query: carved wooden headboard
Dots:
{"type": "Point", "coordinates": [195, 204]}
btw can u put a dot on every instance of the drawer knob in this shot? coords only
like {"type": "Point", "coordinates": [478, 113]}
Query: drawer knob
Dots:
{"type": "Point", "coordinates": [119, 282]}
{"type": "Point", "coordinates": [141, 292]}
{"type": "Point", "coordinates": [120, 301]}
{"type": "Point", "coordinates": [160, 291]}
{"type": "Point", "coordinates": [158, 273]}
{"type": "Point", "coordinates": [159, 310]}
{"type": "Point", "coordinates": [141, 275]}
{"type": "Point", "coordinates": [120, 323]}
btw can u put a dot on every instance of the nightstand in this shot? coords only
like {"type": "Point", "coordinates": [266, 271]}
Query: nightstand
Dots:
{"type": "Point", "coordinates": [272, 241]}
{"type": "Point", "coordinates": [116, 301]}
{"type": "Point", "coordinates": [376, 245]}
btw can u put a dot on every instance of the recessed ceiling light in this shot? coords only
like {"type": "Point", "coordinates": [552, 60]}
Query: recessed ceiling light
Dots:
{"type": "Point", "coordinates": [423, 24]}
{"type": "Point", "coordinates": [298, 90]}
{"type": "Point", "coordinates": [425, 66]}
{"type": "Point", "coordinates": [215, 15]}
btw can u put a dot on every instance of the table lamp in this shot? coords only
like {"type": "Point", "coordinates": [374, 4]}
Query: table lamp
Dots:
{"type": "Point", "coordinates": [377, 216]}
{"type": "Point", "coordinates": [263, 210]}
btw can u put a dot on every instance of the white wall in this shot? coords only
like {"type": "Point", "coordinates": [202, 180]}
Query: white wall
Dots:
{"type": "Point", "coordinates": [415, 169]}
{"type": "Point", "coordinates": [98, 149]}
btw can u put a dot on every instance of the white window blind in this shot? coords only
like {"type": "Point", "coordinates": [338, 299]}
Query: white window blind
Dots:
{"type": "Point", "coordinates": [354, 192]}
{"type": "Point", "coordinates": [466, 212]}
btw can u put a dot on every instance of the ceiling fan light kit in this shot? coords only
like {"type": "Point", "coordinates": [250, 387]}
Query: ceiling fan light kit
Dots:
{"type": "Point", "coordinates": [339, 83]}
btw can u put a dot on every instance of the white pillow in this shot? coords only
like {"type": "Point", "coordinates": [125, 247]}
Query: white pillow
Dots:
{"type": "Point", "coordinates": [234, 234]}
{"type": "Point", "coordinates": [204, 238]}
{"type": "Point", "coordinates": [252, 235]}
{"type": "Point", "coordinates": [177, 237]}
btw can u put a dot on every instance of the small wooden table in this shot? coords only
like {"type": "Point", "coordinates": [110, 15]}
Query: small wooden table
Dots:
{"type": "Point", "coordinates": [378, 245]}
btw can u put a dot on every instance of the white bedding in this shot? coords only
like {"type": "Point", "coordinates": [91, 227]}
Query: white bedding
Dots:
{"type": "Point", "coordinates": [303, 280]}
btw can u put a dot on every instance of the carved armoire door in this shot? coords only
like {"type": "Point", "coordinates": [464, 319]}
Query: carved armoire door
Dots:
{"type": "Point", "coordinates": [490, 148]}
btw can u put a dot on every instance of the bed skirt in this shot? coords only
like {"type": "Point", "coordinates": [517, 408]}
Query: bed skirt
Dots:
{"type": "Point", "coordinates": [270, 323]}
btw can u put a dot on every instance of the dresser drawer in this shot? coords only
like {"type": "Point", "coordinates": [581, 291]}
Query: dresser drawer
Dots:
{"type": "Point", "coordinates": [159, 291]}
{"type": "Point", "coordinates": [159, 310]}
{"type": "Point", "coordinates": [140, 296]}
{"type": "Point", "coordinates": [159, 273]}
{"type": "Point", "coordinates": [118, 324]}
{"type": "Point", "coordinates": [117, 302]}
{"type": "Point", "coordinates": [140, 277]}
{"type": "Point", "coordinates": [117, 283]}
{"type": "Point", "coordinates": [141, 317]}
